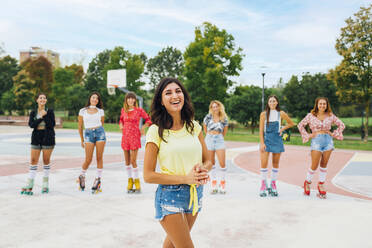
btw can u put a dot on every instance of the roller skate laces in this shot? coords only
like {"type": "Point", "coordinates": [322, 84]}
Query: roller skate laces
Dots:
{"type": "Point", "coordinates": [222, 187]}
{"type": "Point", "coordinates": [273, 190]}
{"type": "Point", "coordinates": [96, 188]}
{"type": "Point", "coordinates": [322, 193]}
{"type": "Point", "coordinates": [263, 188]}
{"type": "Point", "coordinates": [27, 190]}
{"type": "Point", "coordinates": [137, 185]}
{"type": "Point", "coordinates": [45, 186]}
{"type": "Point", "coordinates": [130, 186]}
{"type": "Point", "coordinates": [214, 189]}
{"type": "Point", "coordinates": [81, 182]}
{"type": "Point", "coordinates": [307, 187]}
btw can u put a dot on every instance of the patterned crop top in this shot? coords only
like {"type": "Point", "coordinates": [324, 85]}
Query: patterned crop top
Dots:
{"type": "Point", "coordinates": [214, 126]}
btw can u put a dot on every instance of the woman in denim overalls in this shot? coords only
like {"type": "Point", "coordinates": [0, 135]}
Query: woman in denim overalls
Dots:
{"type": "Point", "coordinates": [271, 141]}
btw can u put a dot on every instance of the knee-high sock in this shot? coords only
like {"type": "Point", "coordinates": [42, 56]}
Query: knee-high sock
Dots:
{"type": "Point", "coordinates": [46, 169]}
{"type": "Point", "coordinates": [309, 175]}
{"type": "Point", "coordinates": [222, 173]}
{"type": "Point", "coordinates": [128, 168]}
{"type": "Point", "coordinates": [214, 173]}
{"type": "Point", "coordinates": [274, 174]}
{"type": "Point", "coordinates": [83, 172]}
{"type": "Point", "coordinates": [32, 171]}
{"type": "Point", "coordinates": [263, 173]}
{"type": "Point", "coordinates": [322, 174]}
{"type": "Point", "coordinates": [135, 173]}
{"type": "Point", "coordinates": [99, 173]}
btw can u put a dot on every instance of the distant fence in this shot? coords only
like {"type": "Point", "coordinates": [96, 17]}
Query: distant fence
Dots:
{"type": "Point", "coordinates": [23, 121]}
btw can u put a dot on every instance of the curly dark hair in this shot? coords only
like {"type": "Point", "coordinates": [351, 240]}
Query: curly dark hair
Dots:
{"type": "Point", "coordinates": [159, 114]}
{"type": "Point", "coordinates": [99, 104]}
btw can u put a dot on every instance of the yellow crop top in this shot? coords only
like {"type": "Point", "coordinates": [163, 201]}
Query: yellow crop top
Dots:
{"type": "Point", "coordinates": [179, 154]}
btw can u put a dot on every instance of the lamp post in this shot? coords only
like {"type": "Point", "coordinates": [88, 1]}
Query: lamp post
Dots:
{"type": "Point", "coordinates": [263, 88]}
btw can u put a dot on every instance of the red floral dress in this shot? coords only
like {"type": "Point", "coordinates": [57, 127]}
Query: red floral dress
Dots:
{"type": "Point", "coordinates": [131, 139]}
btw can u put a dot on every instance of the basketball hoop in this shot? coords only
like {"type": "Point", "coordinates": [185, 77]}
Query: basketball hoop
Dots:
{"type": "Point", "coordinates": [111, 90]}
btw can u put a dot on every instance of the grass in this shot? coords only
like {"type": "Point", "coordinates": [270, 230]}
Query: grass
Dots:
{"type": "Point", "coordinates": [241, 134]}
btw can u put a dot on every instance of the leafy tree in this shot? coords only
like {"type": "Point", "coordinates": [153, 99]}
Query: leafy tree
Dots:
{"type": "Point", "coordinates": [353, 75]}
{"type": "Point", "coordinates": [8, 101]}
{"type": "Point", "coordinates": [75, 98]}
{"type": "Point", "coordinates": [63, 78]}
{"type": "Point", "coordinates": [8, 69]}
{"type": "Point", "coordinates": [40, 70]}
{"type": "Point", "coordinates": [299, 95]}
{"type": "Point", "coordinates": [78, 72]}
{"type": "Point", "coordinates": [210, 61]}
{"type": "Point", "coordinates": [244, 105]}
{"type": "Point", "coordinates": [118, 58]}
{"type": "Point", "coordinates": [25, 90]}
{"type": "Point", "coordinates": [167, 63]}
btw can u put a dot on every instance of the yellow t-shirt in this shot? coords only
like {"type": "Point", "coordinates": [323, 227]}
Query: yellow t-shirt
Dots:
{"type": "Point", "coordinates": [180, 153]}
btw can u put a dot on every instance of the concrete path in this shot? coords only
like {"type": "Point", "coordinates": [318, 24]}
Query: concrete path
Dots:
{"type": "Point", "coordinates": [67, 217]}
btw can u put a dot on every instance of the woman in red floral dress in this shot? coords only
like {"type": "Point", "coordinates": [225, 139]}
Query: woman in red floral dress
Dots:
{"type": "Point", "coordinates": [131, 139]}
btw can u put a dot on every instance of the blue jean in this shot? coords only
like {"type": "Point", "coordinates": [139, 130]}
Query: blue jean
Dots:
{"type": "Point", "coordinates": [94, 135]}
{"type": "Point", "coordinates": [174, 199]}
{"type": "Point", "coordinates": [322, 143]}
{"type": "Point", "coordinates": [215, 142]}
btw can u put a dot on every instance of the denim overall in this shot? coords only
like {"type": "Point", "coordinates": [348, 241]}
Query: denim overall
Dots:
{"type": "Point", "coordinates": [272, 139]}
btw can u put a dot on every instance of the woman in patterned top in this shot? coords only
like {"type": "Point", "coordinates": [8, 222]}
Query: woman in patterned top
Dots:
{"type": "Point", "coordinates": [320, 120]}
{"type": "Point", "coordinates": [215, 125]}
{"type": "Point", "coordinates": [130, 117]}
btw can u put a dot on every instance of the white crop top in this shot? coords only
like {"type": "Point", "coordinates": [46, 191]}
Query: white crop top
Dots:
{"type": "Point", "coordinates": [274, 116]}
{"type": "Point", "coordinates": [91, 120]}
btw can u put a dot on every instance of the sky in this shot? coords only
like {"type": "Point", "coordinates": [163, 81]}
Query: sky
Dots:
{"type": "Point", "coordinates": [281, 38]}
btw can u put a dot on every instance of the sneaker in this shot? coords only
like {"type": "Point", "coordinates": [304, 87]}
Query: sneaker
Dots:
{"type": "Point", "coordinates": [273, 191]}
{"type": "Point", "coordinates": [263, 188]}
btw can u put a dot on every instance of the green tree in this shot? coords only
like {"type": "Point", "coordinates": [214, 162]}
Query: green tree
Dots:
{"type": "Point", "coordinates": [167, 63]}
{"type": "Point", "coordinates": [78, 72]}
{"type": "Point", "coordinates": [8, 101]}
{"type": "Point", "coordinates": [353, 75]}
{"type": "Point", "coordinates": [40, 70]}
{"type": "Point", "coordinates": [244, 105]}
{"type": "Point", "coordinates": [8, 69]}
{"type": "Point", "coordinates": [118, 58]}
{"type": "Point", "coordinates": [63, 78]}
{"type": "Point", "coordinates": [299, 95]}
{"type": "Point", "coordinates": [25, 91]}
{"type": "Point", "coordinates": [75, 98]}
{"type": "Point", "coordinates": [210, 61]}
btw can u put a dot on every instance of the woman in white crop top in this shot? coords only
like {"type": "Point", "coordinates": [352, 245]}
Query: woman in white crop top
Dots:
{"type": "Point", "coordinates": [271, 141]}
{"type": "Point", "coordinates": [92, 116]}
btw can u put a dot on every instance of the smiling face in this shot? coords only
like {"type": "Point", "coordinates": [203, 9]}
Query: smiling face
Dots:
{"type": "Point", "coordinates": [94, 100]}
{"type": "Point", "coordinates": [322, 105]}
{"type": "Point", "coordinates": [41, 100]}
{"type": "Point", "coordinates": [172, 98]}
{"type": "Point", "coordinates": [272, 103]}
{"type": "Point", "coordinates": [131, 102]}
{"type": "Point", "coordinates": [215, 108]}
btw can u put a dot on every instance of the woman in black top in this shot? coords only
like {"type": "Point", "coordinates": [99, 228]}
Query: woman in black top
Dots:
{"type": "Point", "coordinates": [43, 139]}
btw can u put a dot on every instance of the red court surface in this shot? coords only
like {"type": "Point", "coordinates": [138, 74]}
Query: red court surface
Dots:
{"type": "Point", "coordinates": [294, 164]}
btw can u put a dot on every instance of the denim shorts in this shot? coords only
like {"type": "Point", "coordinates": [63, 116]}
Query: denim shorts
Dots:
{"type": "Point", "coordinates": [94, 135]}
{"type": "Point", "coordinates": [322, 143]}
{"type": "Point", "coordinates": [215, 142]}
{"type": "Point", "coordinates": [174, 199]}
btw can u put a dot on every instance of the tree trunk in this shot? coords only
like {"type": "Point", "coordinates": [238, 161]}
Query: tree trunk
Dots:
{"type": "Point", "coordinates": [366, 121]}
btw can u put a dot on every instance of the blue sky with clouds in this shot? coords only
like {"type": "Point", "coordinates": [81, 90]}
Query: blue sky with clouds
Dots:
{"type": "Point", "coordinates": [286, 37]}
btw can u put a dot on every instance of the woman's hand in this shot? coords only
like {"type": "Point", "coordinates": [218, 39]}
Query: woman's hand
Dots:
{"type": "Point", "coordinates": [82, 144]}
{"type": "Point", "coordinates": [43, 113]}
{"type": "Point", "coordinates": [330, 133]}
{"type": "Point", "coordinates": [197, 175]}
{"type": "Point", "coordinates": [143, 130]}
{"type": "Point", "coordinates": [262, 147]}
{"type": "Point", "coordinates": [281, 131]}
{"type": "Point", "coordinates": [121, 126]}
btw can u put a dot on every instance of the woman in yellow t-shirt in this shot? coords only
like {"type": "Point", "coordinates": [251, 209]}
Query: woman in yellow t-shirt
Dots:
{"type": "Point", "coordinates": [176, 141]}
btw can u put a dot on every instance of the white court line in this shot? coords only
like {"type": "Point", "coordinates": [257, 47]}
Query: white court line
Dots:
{"type": "Point", "coordinates": [342, 187]}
